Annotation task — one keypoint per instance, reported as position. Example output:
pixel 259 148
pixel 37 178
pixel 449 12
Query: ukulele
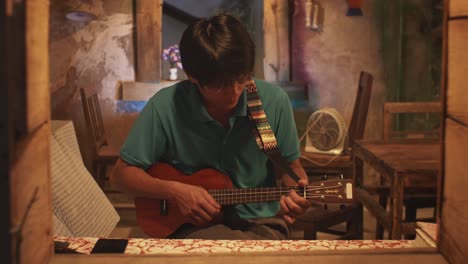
pixel 160 218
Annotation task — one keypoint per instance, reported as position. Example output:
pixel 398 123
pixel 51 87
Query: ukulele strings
pixel 273 190
pixel 172 204
pixel 235 196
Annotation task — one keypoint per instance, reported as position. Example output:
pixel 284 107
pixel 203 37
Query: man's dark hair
pixel 217 51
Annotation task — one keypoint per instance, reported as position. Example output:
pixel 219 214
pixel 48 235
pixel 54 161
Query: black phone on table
pixel 110 245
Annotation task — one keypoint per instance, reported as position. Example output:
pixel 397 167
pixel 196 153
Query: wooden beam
pixel 37 61
pixel 6 138
pixel 453 232
pixel 458 8
pixel 457 97
pixel 369 202
pixel 26 32
pixel 148 40
pixel 30 224
pixel 31 211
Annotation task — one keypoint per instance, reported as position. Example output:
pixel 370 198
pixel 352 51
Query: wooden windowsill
pixel 320 257
pixel 140 91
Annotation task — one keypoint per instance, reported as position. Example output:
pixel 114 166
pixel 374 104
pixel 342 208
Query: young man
pixel 203 123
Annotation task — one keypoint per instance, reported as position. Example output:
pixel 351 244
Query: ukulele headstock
pixel 331 191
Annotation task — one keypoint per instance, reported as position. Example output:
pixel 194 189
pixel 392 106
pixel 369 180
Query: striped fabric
pixel 264 135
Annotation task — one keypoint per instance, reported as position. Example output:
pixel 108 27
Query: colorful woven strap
pixel 264 135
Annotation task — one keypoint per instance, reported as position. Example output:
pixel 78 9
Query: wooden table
pixel 396 162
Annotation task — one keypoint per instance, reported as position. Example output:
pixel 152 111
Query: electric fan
pixel 326 132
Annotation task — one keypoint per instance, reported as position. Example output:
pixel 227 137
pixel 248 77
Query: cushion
pixel 78 201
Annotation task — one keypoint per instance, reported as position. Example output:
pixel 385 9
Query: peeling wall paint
pixel 94 56
pixel 102 49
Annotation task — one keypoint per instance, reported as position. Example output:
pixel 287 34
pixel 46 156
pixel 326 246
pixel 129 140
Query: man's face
pixel 224 97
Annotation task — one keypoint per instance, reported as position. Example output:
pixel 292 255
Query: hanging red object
pixel 354 3
pixel 354 8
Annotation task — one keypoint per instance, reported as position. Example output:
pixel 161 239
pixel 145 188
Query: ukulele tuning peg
pixel 324 177
pixel 341 176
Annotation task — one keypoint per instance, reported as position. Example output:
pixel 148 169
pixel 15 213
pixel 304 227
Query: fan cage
pixel 326 129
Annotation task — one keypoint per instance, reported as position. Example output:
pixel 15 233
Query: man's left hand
pixel 293 205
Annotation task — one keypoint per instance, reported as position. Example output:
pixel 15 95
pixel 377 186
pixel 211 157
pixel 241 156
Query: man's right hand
pixel 195 203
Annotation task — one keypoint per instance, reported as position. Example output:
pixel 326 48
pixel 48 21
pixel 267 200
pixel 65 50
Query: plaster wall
pixel 331 60
pixel 94 56
pixel 97 54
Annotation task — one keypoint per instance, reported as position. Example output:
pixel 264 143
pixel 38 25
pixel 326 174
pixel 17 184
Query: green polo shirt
pixel 175 127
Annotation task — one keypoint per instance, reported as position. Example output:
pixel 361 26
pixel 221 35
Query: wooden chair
pixel 394 108
pixel 322 219
pixel 420 192
pixel 105 155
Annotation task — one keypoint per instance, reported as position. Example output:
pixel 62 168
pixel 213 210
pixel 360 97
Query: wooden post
pixel 453 231
pixel 6 139
pixel 28 178
pixel 357 219
pixel 396 205
pixel 148 40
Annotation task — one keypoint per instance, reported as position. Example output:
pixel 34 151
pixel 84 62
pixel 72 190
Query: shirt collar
pixel 198 109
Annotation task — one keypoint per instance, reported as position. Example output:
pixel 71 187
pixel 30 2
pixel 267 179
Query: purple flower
pixel 172 55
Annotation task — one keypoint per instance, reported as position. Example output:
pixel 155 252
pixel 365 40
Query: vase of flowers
pixel 172 55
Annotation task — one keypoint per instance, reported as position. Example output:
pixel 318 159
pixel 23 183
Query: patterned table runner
pixel 186 246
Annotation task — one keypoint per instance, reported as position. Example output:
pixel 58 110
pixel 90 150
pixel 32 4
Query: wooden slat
pixel 457 96
pixel 30 173
pixel 276 40
pixel 458 8
pixel 377 211
pixel 443 99
pixel 453 231
pixel 149 28
pixel 37 63
pixel 6 138
pixel 412 107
